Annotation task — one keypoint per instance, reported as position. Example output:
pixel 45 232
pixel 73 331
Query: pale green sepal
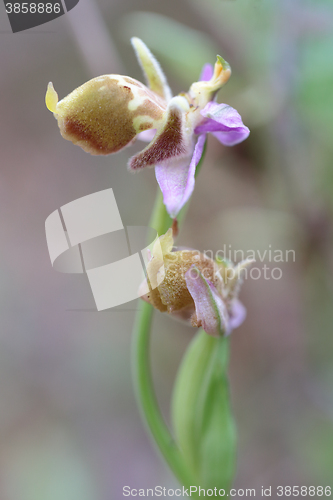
pixel 201 414
pixel 152 70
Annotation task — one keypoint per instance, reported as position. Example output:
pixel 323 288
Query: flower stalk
pixel 141 367
pixel 142 373
pixel 147 399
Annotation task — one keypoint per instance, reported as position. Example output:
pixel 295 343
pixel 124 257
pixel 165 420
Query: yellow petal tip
pixel 51 98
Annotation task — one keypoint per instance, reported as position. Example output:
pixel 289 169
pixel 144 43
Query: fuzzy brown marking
pixel 168 144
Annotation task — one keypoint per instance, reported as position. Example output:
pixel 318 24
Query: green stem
pixel 160 221
pixel 146 398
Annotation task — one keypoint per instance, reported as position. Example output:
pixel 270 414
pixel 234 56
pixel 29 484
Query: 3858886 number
pixel 303 491
pixel 32 8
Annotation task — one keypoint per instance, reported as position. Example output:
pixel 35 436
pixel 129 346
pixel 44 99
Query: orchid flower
pixel 109 112
pixel 195 288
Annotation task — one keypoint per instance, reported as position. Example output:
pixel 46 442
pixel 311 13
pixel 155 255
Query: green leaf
pixel 201 413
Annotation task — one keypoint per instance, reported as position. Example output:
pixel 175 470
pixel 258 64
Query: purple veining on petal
pixel 237 314
pixel 206 73
pixel 210 309
pixel 176 179
pixel 224 122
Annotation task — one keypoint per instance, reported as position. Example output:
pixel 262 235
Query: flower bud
pixel 172 295
pixel 195 288
pixel 105 114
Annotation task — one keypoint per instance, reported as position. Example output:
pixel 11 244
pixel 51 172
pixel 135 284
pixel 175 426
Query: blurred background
pixel 69 426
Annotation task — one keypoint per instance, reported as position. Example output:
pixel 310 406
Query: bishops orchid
pixel 109 112
pixel 105 115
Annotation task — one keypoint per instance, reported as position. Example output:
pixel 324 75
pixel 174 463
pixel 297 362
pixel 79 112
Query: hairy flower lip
pixel 169 142
pixel 105 114
pixel 108 113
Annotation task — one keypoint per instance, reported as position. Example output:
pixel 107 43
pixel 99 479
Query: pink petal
pixel 147 135
pixel 237 314
pixel 176 179
pixel 224 122
pixel 206 73
pixel 210 309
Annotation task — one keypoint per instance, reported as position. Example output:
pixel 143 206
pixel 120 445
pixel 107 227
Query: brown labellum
pixel 105 114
